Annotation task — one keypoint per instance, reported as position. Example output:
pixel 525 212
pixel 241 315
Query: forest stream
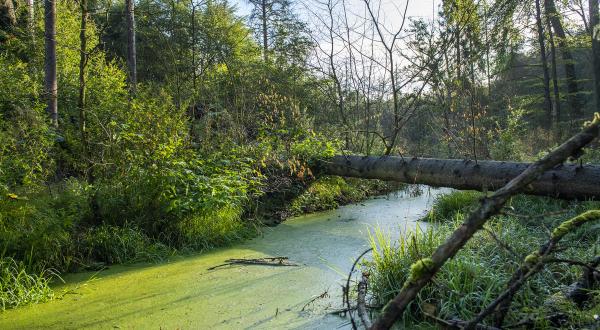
pixel 185 294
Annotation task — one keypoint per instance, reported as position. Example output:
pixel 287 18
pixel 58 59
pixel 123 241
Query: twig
pixel 315 298
pixel 500 243
pixel 361 301
pixel 347 288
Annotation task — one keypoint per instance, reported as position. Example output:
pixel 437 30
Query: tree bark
pixel 7 9
pixel 51 84
pixel 595 29
pixel 556 104
pixel 569 63
pixel 567 181
pixel 83 58
pixel 544 60
pixel 131 48
pixel 264 30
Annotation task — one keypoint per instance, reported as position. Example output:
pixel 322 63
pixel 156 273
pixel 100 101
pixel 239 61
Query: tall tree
pixel 556 92
pixel 131 48
pixel 261 12
pixel 31 16
pixel 595 29
pixel 83 58
pixel 51 84
pixel 544 60
pixel 571 77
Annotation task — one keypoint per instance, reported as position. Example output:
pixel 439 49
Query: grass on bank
pixel 480 271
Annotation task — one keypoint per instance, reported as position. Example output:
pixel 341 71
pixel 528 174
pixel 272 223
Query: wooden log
pixel 566 181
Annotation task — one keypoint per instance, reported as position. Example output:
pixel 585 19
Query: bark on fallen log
pixel 566 181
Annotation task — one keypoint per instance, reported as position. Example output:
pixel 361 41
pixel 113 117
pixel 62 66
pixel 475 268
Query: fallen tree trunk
pixel 566 181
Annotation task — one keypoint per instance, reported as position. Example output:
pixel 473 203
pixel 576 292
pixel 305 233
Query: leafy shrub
pixel 26 138
pixel 181 200
pixel 506 143
pixel 18 287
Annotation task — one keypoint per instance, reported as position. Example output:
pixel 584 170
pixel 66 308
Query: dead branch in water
pixel 271 261
pixel 361 306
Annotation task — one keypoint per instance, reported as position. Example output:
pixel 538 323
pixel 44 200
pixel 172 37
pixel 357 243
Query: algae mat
pixel 184 294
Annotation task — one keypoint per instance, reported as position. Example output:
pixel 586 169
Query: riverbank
pixel 185 294
pixel 24 281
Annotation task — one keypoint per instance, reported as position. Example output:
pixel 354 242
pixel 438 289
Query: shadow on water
pixel 184 294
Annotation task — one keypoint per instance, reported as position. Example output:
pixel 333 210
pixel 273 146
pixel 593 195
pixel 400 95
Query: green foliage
pixel 506 142
pixel 446 207
pixel 112 245
pixel 18 287
pixel 38 228
pixel 25 151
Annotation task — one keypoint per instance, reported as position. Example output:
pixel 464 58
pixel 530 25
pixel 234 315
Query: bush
pixel 38 228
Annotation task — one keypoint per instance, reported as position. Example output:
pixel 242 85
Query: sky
pixel 392 8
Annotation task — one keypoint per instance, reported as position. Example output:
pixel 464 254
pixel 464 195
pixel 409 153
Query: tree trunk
pixel 7 9
pixel 83 57
pixel 264 30
pixel 595 28
pixel 51 84
pixel 555 90
pixel 568 181
pixel 544 59
pixel 131 50
pixel 569 63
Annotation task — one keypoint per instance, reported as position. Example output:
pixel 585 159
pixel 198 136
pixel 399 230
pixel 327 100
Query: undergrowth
pixel 479 272
pixel 19 287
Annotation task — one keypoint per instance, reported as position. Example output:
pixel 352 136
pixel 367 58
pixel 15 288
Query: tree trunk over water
pixel 567 181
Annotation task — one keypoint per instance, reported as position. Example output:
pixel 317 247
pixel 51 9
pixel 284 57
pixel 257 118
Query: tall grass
pixel 480 271
pixel 18 287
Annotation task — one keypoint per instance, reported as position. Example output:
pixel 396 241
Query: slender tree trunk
pixel 51 84
pixel 568 181
pixel 194 73
pixel 264 30
pixel 544 59
pixel 556 105
pixel 569 63
pixel 83 58
pixel 595 29
pixel 131 48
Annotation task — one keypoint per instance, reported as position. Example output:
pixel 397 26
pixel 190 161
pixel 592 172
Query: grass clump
pixel 479 272
pixel 19 287
pixel 447 206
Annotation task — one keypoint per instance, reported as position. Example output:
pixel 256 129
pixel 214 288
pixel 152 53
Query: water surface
pixel 184 294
